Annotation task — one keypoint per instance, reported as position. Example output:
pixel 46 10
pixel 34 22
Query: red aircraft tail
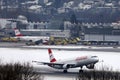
pixel 52 58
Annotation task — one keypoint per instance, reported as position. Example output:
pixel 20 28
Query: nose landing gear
pixel 81 71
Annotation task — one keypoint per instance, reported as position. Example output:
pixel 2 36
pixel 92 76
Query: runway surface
pixel 54 74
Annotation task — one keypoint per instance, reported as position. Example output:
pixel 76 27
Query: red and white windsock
pixel 17 33
pixel 52 58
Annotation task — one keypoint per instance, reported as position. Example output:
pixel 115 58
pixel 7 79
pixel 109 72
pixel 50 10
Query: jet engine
pixel 91 66
pixel 66 66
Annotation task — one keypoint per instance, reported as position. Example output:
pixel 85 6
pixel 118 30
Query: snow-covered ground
pixel 59 78
pixel 111 59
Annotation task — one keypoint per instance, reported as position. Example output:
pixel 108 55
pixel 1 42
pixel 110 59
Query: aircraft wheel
pixel 65 71
pixel 81 71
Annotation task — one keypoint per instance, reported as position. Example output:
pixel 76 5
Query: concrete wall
pixel 101 37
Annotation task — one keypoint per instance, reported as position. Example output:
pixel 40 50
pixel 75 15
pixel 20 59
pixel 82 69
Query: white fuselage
pixel 32 38
pixel 77 62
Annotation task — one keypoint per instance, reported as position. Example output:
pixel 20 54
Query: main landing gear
pixel 65 71
pixel 80 71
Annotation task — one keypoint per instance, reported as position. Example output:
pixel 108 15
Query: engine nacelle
pixel 66 66
pixel 91 66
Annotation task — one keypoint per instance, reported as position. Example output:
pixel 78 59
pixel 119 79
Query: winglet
pixel 52 58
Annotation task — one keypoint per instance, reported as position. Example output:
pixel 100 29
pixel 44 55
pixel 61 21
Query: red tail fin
pixel 52 59
pixel 17 33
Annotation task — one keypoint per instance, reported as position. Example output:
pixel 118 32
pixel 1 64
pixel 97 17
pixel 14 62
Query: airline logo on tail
pixel 17 33
pixel 52 58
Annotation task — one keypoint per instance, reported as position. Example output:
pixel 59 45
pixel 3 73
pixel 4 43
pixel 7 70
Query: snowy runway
pixel 10 55
pixel 110 59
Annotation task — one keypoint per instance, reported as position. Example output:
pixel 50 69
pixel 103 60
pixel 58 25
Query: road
pixel 63 47
pixel 12 44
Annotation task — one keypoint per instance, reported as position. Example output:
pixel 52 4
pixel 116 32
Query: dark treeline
pixel 86 16
pixel 18 71
pixel 99 75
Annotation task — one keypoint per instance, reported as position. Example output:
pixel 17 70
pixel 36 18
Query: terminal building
pixel 42 29
pixel 34 29
pixel 46 32
pixel 84 31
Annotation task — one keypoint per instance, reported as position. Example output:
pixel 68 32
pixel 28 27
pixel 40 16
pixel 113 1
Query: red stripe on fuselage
pixel 19 35
pixel 81 58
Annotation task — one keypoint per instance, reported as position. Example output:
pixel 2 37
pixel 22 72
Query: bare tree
pixel 18 71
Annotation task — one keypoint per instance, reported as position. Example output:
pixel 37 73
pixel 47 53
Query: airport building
pixel 82 30
pixel 42 29
pixel 46 32
pixel 33 29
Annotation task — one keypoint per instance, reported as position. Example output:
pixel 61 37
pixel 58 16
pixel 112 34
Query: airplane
pixel 20 36
pixel 88 61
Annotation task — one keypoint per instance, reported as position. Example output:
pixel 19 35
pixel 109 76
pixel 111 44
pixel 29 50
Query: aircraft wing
pixel 49 64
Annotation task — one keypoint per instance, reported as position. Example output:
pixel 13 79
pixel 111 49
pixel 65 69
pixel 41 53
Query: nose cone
pixel 96 59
